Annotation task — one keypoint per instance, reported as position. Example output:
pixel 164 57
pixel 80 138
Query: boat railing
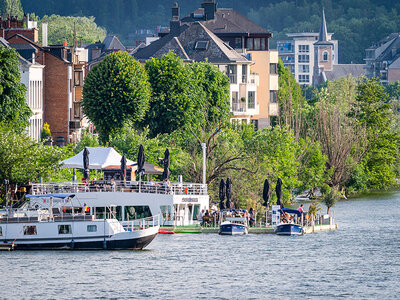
pixel 144 223
pixel 120 186
pixel 33 215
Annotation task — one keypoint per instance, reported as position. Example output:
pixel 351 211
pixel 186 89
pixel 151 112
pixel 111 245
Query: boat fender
pixel 72 244
pixel 105 244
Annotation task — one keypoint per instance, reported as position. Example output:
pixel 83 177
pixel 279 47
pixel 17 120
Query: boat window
pixel 136 212
pixel 99 212
pixel 1 231
pixel 64 229
pixel 30 230
pixel 92 228
pixel 166 211
pixel 119 213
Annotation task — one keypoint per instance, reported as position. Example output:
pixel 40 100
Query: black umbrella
pixel 222 194
pixel 278 190
pixel 228 193
pixel 266 193
pixel 140 161
pixel 86 172
pixel 166 174
pixel 123 167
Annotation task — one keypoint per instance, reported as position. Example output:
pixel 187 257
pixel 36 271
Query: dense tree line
pixel 351 21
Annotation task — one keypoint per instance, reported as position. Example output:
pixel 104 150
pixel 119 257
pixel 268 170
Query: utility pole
pixel 204 147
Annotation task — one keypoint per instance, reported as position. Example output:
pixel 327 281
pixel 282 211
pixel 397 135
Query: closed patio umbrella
pixel 86 173
pixel 278 191
pixel 123 167
pixel 228 192
pixel 222 194
pixel 266 193
pixel 140 161
pixel 166 164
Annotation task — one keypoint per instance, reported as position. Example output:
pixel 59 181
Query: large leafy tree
pixel 13 107
pixel 116 91
pixel 83 29
pixel 12 7
pixel 173 94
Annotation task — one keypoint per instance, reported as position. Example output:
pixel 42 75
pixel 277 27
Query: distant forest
pixel 355 23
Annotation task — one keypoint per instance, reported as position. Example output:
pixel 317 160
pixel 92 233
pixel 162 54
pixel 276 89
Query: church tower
pixel 323 53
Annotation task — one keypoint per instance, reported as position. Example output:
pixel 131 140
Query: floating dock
pixel 252 230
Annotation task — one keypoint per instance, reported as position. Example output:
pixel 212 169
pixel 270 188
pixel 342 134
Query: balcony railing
pixel 239 106
pixel 232 78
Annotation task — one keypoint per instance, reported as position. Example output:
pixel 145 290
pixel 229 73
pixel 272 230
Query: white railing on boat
pixel 144 223
pixel 120 186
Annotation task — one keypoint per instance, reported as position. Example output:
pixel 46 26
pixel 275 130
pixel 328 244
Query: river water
pixel 359 260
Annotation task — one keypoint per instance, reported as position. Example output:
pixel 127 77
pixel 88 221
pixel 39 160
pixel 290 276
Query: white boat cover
pixel 99 158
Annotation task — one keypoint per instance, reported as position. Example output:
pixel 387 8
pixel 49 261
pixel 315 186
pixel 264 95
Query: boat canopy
pixel 61 196
pixel 290 211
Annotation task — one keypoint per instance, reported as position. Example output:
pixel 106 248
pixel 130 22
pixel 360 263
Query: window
pixel 304 48
pixel 78 78
pixel 325 56
pixel 251 100
pixel 92 228
pixel 231 72
pixel 304 58
pixel 166 211
pixel 304 69
pixel 64 229
pixel 273 69
pixel 30 230
pixel 255 124
pixel 273 96
pixel 263 44
pixel 257 44
pixel 238 43
pixel 77 110
pixel 201 45
pixel 136 212
pixel 250 43
pixel 244 73
pixel 304 78
pixel 1 231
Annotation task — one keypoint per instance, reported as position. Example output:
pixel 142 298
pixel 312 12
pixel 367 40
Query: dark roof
pixel 111 42
pixel 343 70
pixel 227 22
pixel 392 52
pixel 4 43
pixel 183 43
pixel 323 32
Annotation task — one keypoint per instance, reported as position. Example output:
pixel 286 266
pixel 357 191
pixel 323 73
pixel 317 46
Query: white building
pixel 32 78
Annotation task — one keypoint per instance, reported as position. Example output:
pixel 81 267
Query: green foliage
pixel 46 133
pixel 13 107
pixel 116 91
pixel 60 27
pixel 23 160
pixel 87 140
pixel 12 7
pixel 173 94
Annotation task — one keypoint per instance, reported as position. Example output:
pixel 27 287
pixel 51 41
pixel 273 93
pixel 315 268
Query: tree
pixel 11 7
pixel 330 199
pixel 173 94
pixel 83 29
pixel 46 133
pixel 115 91
pixel 13 107
pixel 23 160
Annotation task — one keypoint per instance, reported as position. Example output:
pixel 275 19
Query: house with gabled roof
pixel 193 42
pixel 249 40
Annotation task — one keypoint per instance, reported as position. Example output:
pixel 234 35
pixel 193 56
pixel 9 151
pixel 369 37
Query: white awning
pixel 99 158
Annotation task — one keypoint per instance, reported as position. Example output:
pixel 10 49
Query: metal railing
pixel 120 186
pixel 239 106
pixel 144 223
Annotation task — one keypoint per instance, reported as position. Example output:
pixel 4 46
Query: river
pixel 359 260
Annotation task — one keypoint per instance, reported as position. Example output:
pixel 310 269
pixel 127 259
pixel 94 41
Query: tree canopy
pixel 13 107
pixel 12 7
pixel 116 91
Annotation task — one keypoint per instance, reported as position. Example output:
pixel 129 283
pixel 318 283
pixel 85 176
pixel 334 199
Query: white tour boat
pixel 72 229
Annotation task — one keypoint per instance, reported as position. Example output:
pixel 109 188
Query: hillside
pixel 356 23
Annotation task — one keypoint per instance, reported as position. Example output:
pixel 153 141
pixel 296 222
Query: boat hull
pixel 232 229
pixel 289 229
pixel 124 241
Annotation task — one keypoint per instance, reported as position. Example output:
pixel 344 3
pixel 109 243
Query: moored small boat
pixel 235 222
pixel 289 225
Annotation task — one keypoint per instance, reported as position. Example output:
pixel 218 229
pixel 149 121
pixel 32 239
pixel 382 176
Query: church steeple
pixel 323 32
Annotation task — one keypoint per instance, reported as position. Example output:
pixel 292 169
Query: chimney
pixel 33 57
pixel 44 34
pixel 210 7
pixel 175 23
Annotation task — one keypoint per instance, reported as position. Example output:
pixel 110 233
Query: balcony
pixel 232 78
pixel 239 107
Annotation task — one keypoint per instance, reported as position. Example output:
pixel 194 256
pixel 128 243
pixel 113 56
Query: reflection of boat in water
pixel 234 222
pixel 289 224
pixel 73 229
